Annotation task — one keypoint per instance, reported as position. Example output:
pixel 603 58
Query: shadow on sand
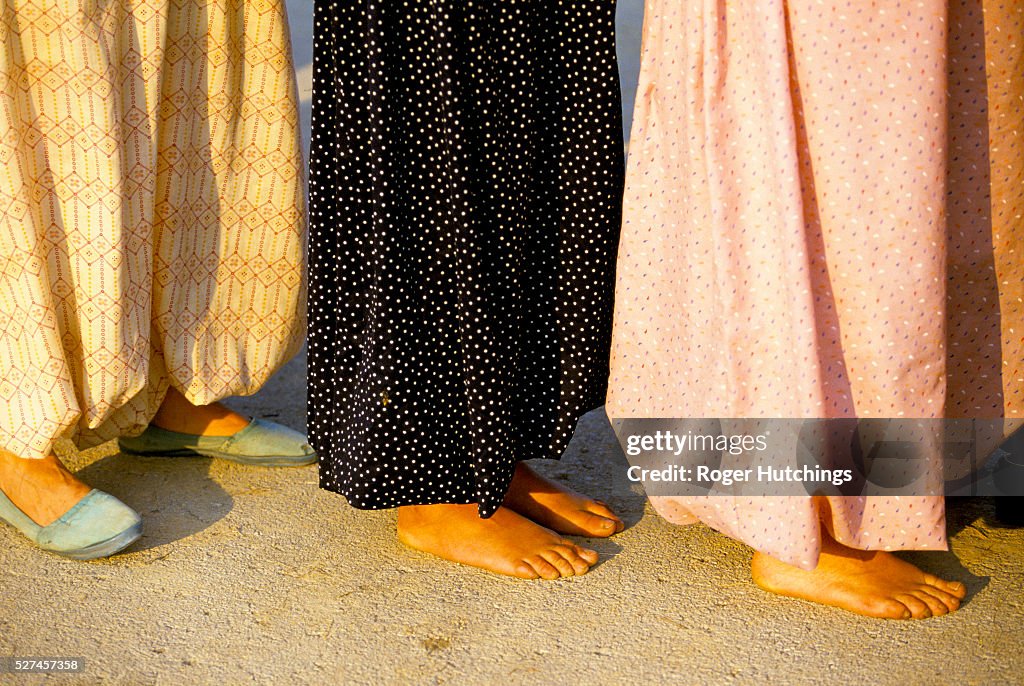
pixel 176 496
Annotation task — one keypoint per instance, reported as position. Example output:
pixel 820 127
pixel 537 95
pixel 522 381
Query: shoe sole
pixel 104 548
pixel 267 461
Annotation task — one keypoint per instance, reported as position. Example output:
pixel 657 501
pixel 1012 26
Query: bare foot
pixel 42 489
pixel 875 583
pixel 176 413
pixel 506 543
pixel 553 505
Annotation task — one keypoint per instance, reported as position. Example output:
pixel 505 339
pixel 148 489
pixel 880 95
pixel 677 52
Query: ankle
pixel 424 515
pixel 43 489
pixel 177 413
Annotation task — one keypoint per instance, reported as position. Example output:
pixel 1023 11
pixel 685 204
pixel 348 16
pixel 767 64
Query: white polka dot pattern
pixel 465 198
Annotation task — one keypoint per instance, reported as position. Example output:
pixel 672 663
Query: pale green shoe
pixel 262 443
pixel 98 525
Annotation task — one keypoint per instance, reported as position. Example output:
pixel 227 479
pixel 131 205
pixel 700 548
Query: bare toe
pixel 950 602
pixel 596 524
pixel 953 588
pixel 589 556
pixel 556 560
pixel 600 508
pixel 937 607
pixel 579 565
pixel 524 571
pixel 887 608
pixel 544 569
pixel 918 608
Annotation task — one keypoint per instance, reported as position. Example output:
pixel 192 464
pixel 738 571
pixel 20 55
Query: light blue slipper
pixel 262 443
pixel 97 526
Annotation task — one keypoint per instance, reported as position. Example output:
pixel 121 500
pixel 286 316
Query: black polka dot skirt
pixel 465 197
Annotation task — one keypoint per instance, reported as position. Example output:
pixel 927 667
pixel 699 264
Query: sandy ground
pixel 250 575
pixel 254 575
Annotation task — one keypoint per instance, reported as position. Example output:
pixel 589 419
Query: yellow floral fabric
pixel 151 210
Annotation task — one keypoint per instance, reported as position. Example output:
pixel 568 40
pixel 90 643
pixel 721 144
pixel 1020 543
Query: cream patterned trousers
pixel 152 218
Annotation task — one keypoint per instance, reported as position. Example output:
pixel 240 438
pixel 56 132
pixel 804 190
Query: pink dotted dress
pixel 823 218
